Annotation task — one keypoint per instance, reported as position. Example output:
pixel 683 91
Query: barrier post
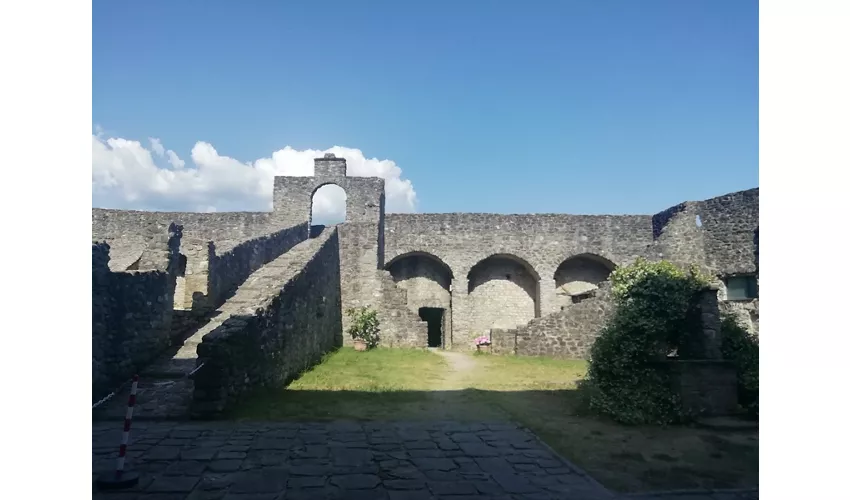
pixel 120 478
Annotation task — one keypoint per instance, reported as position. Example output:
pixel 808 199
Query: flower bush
pixel 364 325
pixel 482 340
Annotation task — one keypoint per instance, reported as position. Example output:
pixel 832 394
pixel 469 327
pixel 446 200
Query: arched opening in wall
pixel 427 282
pixel 580 275
pixel 327 208
pixel 504 292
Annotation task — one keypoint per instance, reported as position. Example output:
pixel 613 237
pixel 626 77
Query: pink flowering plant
pixel 482 340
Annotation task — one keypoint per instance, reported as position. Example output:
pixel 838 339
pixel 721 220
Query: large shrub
pixel 653 317
pixel 364 325
pixel 742 349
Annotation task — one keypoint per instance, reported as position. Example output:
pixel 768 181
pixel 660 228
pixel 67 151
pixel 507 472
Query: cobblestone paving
pixel 344 460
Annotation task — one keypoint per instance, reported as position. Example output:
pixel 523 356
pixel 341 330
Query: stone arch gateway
pixel 322 207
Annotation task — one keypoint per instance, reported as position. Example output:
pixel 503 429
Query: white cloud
pixel 157 146
pixel 127 175
pixel 175 160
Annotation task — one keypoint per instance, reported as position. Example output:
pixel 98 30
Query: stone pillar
pixel 461 336
pixel 547 298
pixel 705 382
pixel 329 166
pixel 709 310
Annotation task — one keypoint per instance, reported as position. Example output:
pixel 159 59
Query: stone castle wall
pixel 273 341
pixel 125 229
pixel 517 257
pixel 131 310
pixel 485 270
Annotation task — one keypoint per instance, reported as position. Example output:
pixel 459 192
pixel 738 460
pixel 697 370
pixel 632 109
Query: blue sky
pixel 512 107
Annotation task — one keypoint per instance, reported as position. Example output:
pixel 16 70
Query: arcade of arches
pixel 501 291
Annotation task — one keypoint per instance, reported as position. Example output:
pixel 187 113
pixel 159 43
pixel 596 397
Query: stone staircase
pixel 568 333
pixel 165 387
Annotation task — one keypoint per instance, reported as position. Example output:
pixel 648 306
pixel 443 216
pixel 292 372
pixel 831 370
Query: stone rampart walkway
pixel 283 461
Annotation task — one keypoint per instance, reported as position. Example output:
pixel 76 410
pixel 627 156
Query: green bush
pixel 364 325
pixel 653 317
pixel 742 349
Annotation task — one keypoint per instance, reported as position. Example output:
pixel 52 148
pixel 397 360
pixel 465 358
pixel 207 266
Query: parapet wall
pixel 273 341
pixel 231 268
pixel 126 230
pixel 131 311
pixel 544 241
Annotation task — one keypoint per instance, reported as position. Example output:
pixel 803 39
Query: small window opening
pixel 699 221
pixel 741 288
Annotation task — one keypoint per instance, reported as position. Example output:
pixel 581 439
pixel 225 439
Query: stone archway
pixel 579 275
pixel 427 282
pixel 504 292
pixel 328 207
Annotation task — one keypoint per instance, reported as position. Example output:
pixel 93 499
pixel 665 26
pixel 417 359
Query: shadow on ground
pixel 623 458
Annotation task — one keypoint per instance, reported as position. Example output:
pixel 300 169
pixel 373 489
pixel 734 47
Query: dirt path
pixel 455 397
pixel 461 367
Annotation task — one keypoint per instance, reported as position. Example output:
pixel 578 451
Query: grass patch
pixel 375 370
pixel 539 393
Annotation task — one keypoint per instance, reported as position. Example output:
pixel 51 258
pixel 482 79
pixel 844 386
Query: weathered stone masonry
pixel 131 310
pixel 285 333
pixel 535 275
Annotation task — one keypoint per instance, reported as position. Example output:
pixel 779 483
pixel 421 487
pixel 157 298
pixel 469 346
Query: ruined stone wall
pixel 131 311
pixel 718 234
pixel 568 334
pixel 400 327
pixel 221 226
pixel 730 223
pixel 126 229
pixel 679 236
pixel 721 236
pixel 277 338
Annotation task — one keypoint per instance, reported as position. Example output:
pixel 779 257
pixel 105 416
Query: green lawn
pixel 539 393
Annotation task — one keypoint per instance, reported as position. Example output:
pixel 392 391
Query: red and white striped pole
pixel 120 478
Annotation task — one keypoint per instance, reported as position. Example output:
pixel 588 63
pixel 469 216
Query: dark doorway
pixel 434 317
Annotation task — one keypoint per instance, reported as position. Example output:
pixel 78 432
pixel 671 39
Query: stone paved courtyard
pixel 342 460
pixel 424 460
